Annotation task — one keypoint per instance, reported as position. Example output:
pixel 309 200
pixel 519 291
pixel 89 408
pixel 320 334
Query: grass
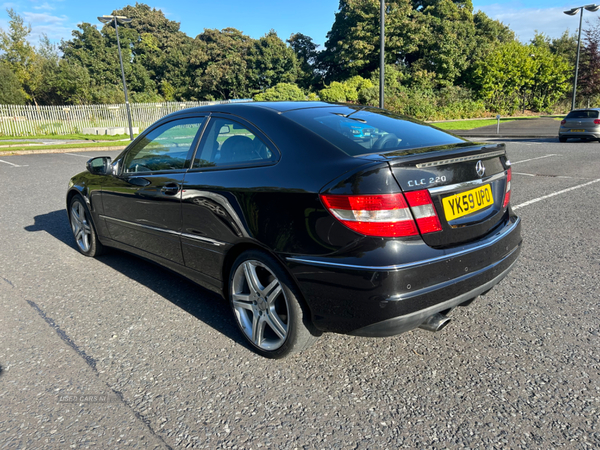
pixel 469 124
pixel 74 137
pixel 16 148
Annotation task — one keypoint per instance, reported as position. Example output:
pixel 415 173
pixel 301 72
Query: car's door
pixel 142 203
pixel 231 157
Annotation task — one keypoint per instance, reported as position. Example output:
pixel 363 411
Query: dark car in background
pixel 580 124
pixel 308 217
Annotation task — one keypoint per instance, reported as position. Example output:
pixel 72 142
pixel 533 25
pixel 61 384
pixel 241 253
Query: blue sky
pixel 57 18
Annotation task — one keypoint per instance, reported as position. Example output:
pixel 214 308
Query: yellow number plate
pixel 577 131
pixel 467 202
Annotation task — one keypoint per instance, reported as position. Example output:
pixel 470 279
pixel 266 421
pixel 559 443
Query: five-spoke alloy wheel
pixel 83 228
pixel 266 306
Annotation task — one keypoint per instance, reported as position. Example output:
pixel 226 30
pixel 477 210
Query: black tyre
pixel 562 139
pixel 267 306
pixel 83 228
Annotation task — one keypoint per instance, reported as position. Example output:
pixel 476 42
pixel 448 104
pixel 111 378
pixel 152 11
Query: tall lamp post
pixel 117 20
pixel 573 12
pixel 381 52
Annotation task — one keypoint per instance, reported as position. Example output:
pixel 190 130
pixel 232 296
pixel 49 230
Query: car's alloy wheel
pixel 83 228
pixel 266 306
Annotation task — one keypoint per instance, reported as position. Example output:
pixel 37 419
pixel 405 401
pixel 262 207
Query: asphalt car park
pixel 118 353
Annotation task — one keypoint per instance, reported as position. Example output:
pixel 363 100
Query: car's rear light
pixel 507 193
pixel 597 121
pixel 562 122
pixel 385 215
pixel 422 208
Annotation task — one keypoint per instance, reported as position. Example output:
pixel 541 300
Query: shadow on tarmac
pixel 203 304
pixel 55 223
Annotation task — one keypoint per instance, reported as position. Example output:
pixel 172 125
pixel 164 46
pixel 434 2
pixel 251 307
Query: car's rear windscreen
pixel 364 130
pixel 588 114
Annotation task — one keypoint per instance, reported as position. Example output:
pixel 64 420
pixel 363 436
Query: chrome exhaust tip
pixel 435 323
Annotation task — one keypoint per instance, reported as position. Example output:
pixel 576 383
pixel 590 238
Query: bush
pixel 281 92
pixel 348 91
pixel 335 92
pixel 427 104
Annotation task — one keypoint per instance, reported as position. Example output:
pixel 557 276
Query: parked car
pixel 304 227
pixel 580 124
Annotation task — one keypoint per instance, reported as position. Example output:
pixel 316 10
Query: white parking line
pixel 538 175
pixel 532 159
pixel 539 199
pixel 75 154
pixel 11 164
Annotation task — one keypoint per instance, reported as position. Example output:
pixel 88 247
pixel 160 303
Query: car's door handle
pixel 170 189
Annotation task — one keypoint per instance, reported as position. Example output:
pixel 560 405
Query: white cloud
pixel 526 21
pixel 45 6
pixel 43 18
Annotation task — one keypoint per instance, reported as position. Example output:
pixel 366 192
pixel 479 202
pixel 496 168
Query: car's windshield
pixel 363 130
pixel 587 114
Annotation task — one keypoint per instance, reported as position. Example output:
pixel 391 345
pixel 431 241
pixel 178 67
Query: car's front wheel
pixel 267 306
pixel 83 228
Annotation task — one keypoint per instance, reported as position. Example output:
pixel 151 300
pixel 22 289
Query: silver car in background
pixel 580 124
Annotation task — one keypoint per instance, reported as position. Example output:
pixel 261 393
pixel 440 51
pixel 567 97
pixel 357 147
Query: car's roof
pixel 585 109
pixel 274 106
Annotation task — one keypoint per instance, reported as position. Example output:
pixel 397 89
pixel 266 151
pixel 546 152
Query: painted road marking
pixel 538 175
pixel 75 154
pixel 11 164
pixel 539 199
pixel 532 159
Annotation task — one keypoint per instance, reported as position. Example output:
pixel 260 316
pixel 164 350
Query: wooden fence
pixel 29 120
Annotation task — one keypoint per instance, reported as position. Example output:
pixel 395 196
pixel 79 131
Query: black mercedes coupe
pixel 308 217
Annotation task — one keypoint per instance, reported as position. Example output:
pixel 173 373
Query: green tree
pixel 91 49
pixel 161 48
pixel 306 54
pixel 19 55
pixel 435 42
pixel 218 64
pixel 11 92
pixel 271 61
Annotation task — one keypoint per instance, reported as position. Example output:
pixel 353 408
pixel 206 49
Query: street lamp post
pixel 117 20
pixel 381 53
pixel 573 12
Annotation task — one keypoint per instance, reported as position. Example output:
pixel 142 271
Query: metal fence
pixel 30 120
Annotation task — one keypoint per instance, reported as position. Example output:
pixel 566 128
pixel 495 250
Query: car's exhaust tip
pixel 435 323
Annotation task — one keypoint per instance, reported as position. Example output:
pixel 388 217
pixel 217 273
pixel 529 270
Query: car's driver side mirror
pixel 99 166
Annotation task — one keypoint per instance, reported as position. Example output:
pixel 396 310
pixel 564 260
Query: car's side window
pixel 164 148
pixel 229 143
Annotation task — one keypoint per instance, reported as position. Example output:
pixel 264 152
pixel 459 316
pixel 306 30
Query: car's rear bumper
pixel 587 134
pixel 388 300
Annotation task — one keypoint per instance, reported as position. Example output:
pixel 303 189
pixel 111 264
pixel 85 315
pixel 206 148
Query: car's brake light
pixel 562 122
pixel 385 215
pixel 597 121
pixel 422 208
pixel 507 193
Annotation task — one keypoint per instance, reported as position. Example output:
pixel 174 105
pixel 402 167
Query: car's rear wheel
pixel 562 139
pixel 83 228
pixel 267 306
